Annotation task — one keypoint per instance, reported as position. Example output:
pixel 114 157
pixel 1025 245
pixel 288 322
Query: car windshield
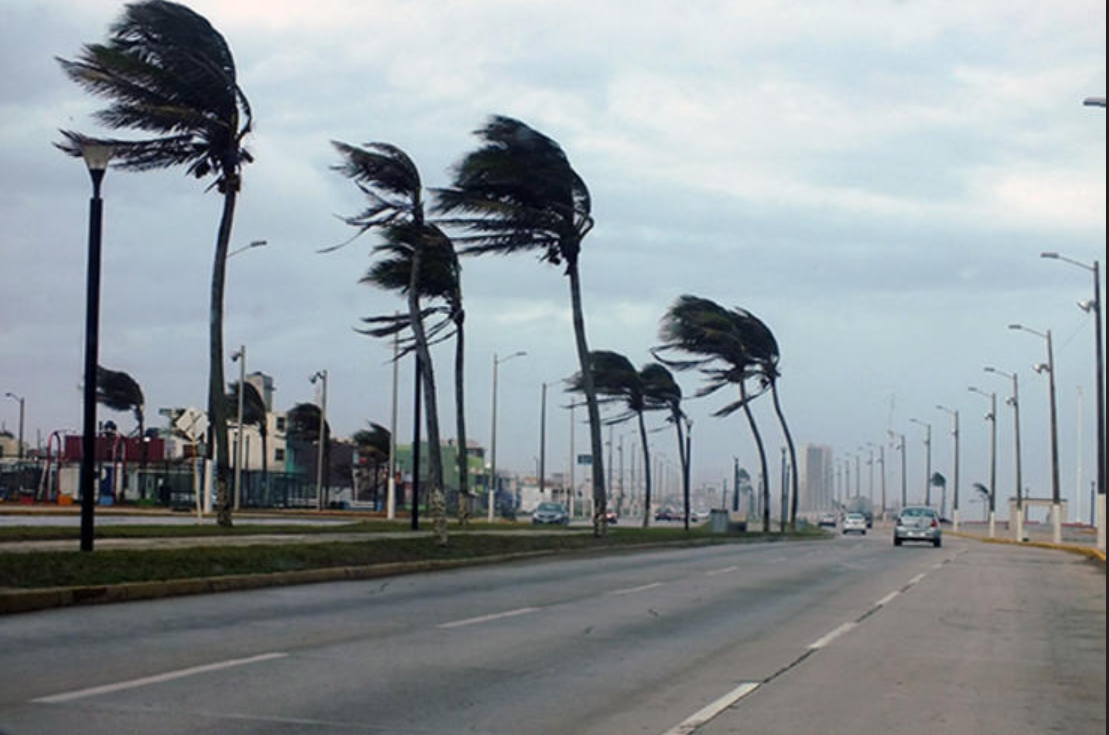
pixel 855 517
pixel 917 512
pixel 550 508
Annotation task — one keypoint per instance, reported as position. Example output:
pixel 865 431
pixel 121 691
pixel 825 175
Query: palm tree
pixel 716 337
pixel 391 181
pixel 374 443
pixel 763 349
pixel 618 382
pixel 663 391
pixel 302 424
pixel 120 392
pixel 167 72
pixel 516 193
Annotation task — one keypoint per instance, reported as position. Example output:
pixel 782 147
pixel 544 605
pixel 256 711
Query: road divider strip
pixel 487 618
pixel 156 679
pixel 707 713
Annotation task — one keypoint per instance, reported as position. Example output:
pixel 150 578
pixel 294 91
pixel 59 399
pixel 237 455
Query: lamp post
pixel 96 157
pixel 20 400
pixel 321 376
pixel 1049 367
pixel 493 433
pixel 927 461
pixel 904 478
pixel 239 357
pixel 954 413
pixel 1014 401
pixel 1099 371
pixel 543 440
pixel 992 418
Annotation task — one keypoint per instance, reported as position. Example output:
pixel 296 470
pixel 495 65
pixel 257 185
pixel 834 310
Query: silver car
pixel 918 523
pixel 854 523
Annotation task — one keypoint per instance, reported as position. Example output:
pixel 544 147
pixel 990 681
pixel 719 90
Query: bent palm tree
pixel 517 193
pixel 302 424
pixel 705 329
pixel 374 443
pixel 763 348
pixel 166 71
pixel 663 391
pixel 254 414
pixel 616 380
pixel 120 392
pixel 391 181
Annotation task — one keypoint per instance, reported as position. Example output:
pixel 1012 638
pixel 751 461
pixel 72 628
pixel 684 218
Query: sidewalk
pixel 1077 539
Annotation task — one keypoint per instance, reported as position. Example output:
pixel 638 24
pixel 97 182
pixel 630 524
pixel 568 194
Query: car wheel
pixel 896 541
pixel 937 543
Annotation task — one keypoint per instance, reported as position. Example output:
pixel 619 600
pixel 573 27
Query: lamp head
pixel 1087 306
pixel 1052 255
pixel 96 155
pixel 1041 367
pixel 1015 326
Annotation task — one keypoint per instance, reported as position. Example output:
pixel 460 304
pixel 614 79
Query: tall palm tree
pixel 516 193
pixel 391 182
pixel 167 72
pixel 663 391
pixel 763 348
pixel 717 339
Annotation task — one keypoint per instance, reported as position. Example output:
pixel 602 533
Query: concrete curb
pixel 1070 548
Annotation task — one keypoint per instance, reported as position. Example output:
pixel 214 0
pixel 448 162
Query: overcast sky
pixel 875 180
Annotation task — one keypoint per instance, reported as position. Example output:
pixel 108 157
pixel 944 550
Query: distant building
pixel 817 478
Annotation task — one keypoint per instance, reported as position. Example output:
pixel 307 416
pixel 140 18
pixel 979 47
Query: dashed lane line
pixel 705 714
pixel 488 618
pixel 157 679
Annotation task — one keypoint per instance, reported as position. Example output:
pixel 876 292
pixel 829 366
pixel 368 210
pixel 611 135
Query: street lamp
pixel 1099 377
pixel 928 460
pixel 904 481
pixel 239 357
pixel 493 433
pixel 96 157
pixel 992 418
pixel 955 478
pixel 1094 102
pixel 1014 401
pixel 1049 367
pixel 14 397
pixel 321 376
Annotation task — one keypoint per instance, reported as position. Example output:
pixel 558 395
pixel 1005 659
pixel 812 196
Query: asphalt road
pixel 843 636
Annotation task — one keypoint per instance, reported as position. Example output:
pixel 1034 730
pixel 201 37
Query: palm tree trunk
pixel 762 457
pixel 459 408
pixel 596 443
pixel 683 460
pixel 646 472
pixel 217 403
pixel 427 379
pixel 792 456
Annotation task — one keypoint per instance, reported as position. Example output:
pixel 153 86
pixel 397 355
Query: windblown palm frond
pixel 120 392
pixel 166 71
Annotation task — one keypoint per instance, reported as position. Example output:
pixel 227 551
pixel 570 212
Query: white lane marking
pixel 487 618
pixel 938 566
pixel 707 713
pixel 725 570
pixel 887 598
pixel 917 578
pixel 157 679
pixel 640 588
pixel 825 640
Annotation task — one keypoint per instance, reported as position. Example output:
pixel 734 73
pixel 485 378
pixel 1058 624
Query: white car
pixel 854 523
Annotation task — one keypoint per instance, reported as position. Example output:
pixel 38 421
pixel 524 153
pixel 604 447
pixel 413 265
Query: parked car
pixel 547 514
pixel 667 514
pixel 918 523
pixel 610 517
pixel 827 519
pixel 854 523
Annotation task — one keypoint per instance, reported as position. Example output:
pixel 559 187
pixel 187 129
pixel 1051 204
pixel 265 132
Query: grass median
pixel 32 570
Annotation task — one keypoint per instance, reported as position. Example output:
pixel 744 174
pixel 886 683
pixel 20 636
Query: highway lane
pixel 623 643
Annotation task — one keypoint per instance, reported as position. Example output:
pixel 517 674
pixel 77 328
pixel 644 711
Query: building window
pixel 280 423
pixel 279 455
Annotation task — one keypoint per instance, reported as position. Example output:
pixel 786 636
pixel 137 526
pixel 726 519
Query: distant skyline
pixel 875 181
